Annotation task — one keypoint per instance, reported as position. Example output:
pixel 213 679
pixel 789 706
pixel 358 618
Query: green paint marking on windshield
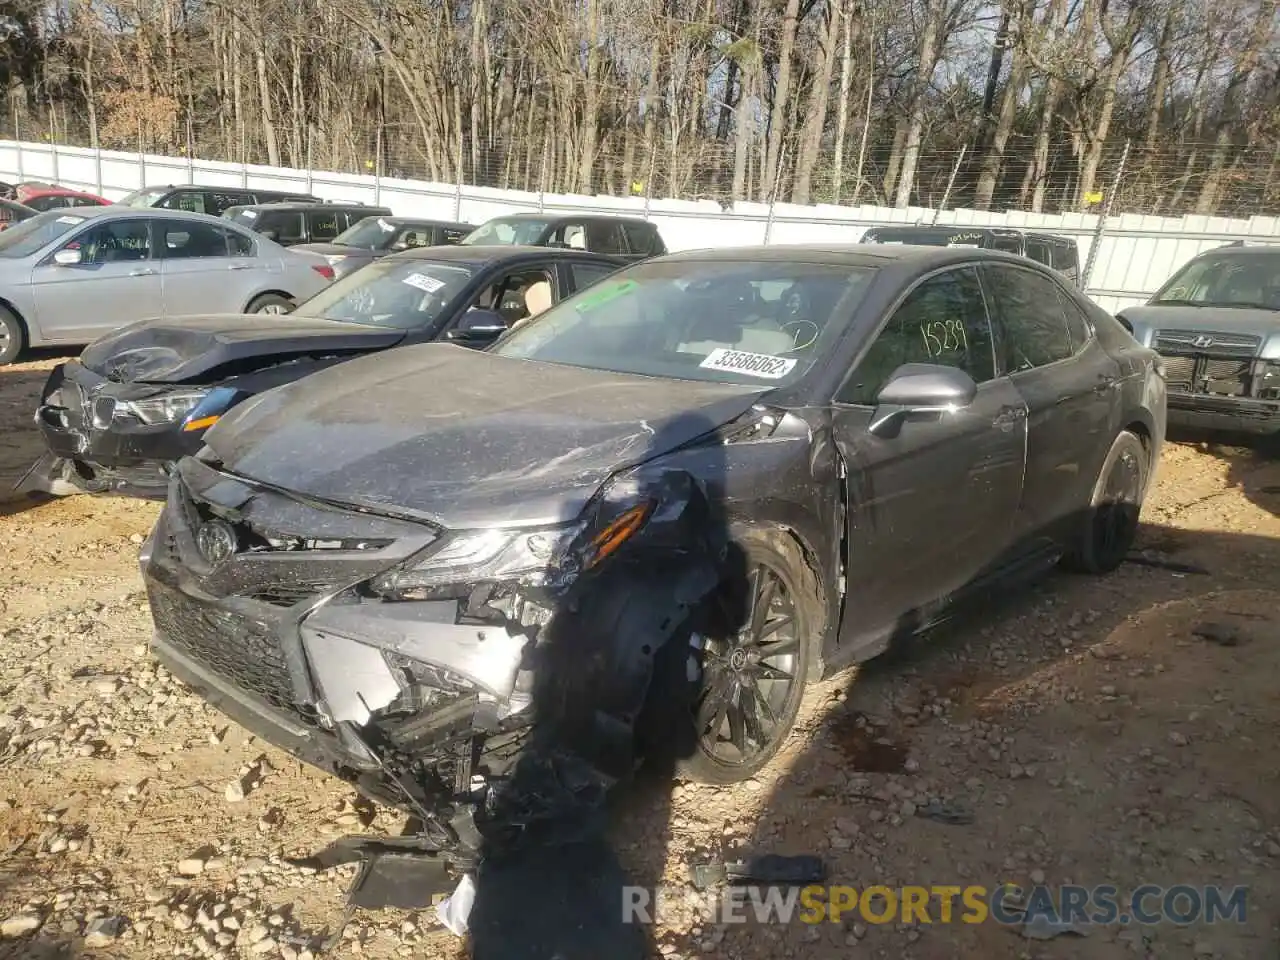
pixel 611 292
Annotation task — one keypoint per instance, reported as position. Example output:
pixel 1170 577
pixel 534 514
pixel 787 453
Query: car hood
pixel 178 349
pixel 1265 324
pixel 465 438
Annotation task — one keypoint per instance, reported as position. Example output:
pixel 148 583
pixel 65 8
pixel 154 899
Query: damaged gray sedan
pixel 483 586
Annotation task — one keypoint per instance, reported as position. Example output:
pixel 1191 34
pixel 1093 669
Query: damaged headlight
pixel 537 556
pixel 199 407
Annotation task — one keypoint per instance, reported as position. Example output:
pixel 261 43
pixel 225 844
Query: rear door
pixel 323 225
pixel 1068 382
pixel 199 272
pixel 931 507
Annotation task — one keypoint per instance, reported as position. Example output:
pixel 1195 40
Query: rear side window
pixel 585 274
pixel 324 224
pixel 642 238
pixel 1066 260
pixel 1078 327
pixel 191 201
pixel 216 201
pixel 1038 251
pixel 1031 316
pixel 604 237
pixel 287 227
pixel 239 245
pixel 180 240
pixel 445 235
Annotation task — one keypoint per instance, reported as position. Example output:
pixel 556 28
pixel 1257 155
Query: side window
pixel 585 274
pixel 120 241
pixel 1066 260
pixel 1031 316
pixel 286 227
pixel 410 237
pixel 943 321
pixel 604 237
pixel 571 235
pixel 1078 327
pixel 216 202
pixel 192 201
pixel 641 238
pixel 182 241
pixel 239 245
pixel 1038 251
pixel 518 296
pixel 1007 244
pixel 448 235
pixel 324 224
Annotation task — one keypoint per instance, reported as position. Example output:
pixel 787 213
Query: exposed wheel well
pixel 1140 430
pixel 267 293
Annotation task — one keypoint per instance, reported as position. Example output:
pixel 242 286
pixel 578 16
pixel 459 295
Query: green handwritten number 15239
pixel 944 336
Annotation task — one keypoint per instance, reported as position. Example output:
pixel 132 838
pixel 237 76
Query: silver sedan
pixel 71 276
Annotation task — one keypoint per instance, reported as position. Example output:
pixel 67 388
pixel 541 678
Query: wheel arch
pixel 273 292
pixel 9 305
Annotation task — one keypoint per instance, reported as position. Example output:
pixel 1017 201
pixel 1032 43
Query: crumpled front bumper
pixel 89 450
pixel 1240 415
pixel 420 704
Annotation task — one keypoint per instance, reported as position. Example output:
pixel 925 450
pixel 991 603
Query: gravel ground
pixel 1083 727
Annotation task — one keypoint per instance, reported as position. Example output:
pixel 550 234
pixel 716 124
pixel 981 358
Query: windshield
pixel 520 231
pixel 401 294
pixel 146 197
pixel 379 233
pixel 1226 281
pixel 762 322
pixel 35 232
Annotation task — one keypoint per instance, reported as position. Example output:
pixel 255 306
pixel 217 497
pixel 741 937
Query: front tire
pixel 1110 524
pixel 13 337
pixel 735 680
pixel 271 303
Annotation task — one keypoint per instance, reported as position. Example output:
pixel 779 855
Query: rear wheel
pixel 271 303
pixel 1110 524
pixel 738 675
pixel 12 337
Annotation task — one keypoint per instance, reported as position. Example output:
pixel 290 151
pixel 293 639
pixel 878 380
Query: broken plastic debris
pixel 1042 927
pixel 454 910
pixel 769 868
pixel 945 813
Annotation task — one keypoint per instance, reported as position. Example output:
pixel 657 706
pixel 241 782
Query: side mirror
pixel 920 388
pixel 478 326
pixel 68 258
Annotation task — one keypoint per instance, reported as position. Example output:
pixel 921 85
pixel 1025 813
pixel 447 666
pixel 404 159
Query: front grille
pixel 287 594
pixel 1206 343
pixel 240 650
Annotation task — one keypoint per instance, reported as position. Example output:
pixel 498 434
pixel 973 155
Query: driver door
pixel 505 293
pixel 932 505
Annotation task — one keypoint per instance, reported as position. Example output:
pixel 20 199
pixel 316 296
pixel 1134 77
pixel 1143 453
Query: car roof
pixel 303 205
pixel 480 256
pixel 559 217
pixel 934 229
pixel 426 220
pixel 850 254
pixel 117 210
pixel 1241 250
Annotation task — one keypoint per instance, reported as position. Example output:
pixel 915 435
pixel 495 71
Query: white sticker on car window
pixel 423 282
pixel 752 364
pixel 248 214
pixel 71 220
pixel 386 227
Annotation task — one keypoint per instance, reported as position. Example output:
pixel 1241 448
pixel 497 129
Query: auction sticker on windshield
pixel 423 282
pixel 71 220
pixel 751 364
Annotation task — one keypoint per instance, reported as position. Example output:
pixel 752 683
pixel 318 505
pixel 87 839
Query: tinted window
pixel 286 226
pixel 943 321
pixel 641 238
pixel 604 237
pixel 1065 258
pixel 85 202
pixel 119 241
pixel 1032 318
pixel 585 274
pixel 1038 251
pixel 1078 326
pixel 571 235
pixel 449 235
pixel 216 201
pixel 1007 244
pixel 324 224
pixel 181 241
pixel 191 201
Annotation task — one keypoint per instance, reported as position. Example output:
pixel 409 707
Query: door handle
pixel 142 272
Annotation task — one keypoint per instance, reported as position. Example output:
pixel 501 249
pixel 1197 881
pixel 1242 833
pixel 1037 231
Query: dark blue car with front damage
pixel 483 586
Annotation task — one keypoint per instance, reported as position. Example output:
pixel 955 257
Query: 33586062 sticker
pixel 762 365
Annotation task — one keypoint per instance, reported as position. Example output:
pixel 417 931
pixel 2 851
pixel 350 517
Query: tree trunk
pixel 927 59
pixel 781 92
pixel 815 109
pixel 993 158
pixel 842 103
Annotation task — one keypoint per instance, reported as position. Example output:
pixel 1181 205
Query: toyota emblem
pixel 1202 341
pixel 216 540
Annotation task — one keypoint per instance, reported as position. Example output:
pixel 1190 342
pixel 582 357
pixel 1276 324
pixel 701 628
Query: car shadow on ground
pixel 879 777
pixel 19 396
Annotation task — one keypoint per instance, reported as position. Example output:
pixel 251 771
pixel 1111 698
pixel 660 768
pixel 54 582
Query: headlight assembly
pixel 166 408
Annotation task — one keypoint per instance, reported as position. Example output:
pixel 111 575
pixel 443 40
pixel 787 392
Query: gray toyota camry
pixel 703 482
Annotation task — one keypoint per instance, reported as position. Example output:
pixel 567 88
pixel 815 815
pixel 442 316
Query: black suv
pixel 628 237
pixel 289 224
pixel 1059 253
pixel 210 200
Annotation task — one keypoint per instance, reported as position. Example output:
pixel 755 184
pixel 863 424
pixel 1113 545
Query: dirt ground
pixel 1082 729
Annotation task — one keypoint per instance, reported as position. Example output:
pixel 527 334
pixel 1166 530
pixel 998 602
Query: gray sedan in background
pixel 69 277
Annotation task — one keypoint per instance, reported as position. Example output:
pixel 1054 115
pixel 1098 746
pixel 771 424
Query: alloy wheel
pixel 273 308
pixel 747 678
pixel 1116 519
